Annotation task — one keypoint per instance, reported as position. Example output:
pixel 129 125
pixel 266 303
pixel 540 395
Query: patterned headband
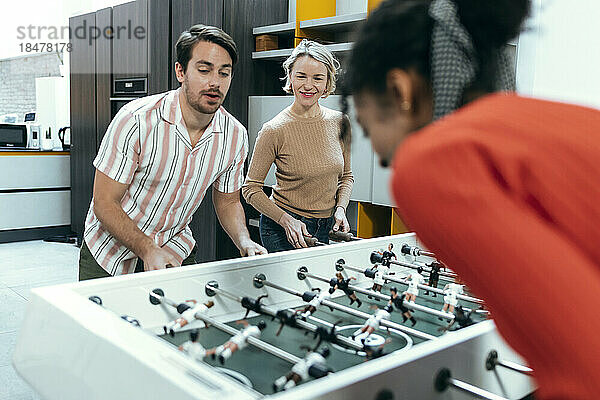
pixel 454 60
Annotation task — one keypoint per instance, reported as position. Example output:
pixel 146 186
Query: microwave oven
pixel 20 136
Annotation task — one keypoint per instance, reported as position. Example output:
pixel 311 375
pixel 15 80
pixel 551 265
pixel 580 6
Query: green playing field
pixel 262 368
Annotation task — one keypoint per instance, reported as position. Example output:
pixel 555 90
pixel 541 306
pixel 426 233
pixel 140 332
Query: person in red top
pixel 504 189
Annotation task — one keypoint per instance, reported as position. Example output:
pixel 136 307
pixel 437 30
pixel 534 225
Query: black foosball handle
pixel 492 361
pixel 444 380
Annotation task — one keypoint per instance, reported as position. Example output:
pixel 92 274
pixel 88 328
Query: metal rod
pixel 284 289
pixel 426 287
pixel 515 367
pixel 272 313
pixel 360 314
pixel 224 292
pixel 436 290
pixel 276 351
pixel 474 390
pixel 444 379
pixel 425 268
pixel 440 291
pixel 492 361
pixel 447 275
pixel 427 253
pixel 372 293
pixel 163 299
pixel 383 322
pixel 415 251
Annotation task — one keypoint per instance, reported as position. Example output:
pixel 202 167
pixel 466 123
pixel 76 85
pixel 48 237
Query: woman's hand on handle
pixel 341 222
pixel 295 230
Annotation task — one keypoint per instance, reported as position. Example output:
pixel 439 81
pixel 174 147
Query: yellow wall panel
pixel 372 4
pixel 397 226
pixel 311 9
pixel 373 221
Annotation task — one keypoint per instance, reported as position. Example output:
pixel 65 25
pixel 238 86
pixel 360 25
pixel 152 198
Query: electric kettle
pixel 65 137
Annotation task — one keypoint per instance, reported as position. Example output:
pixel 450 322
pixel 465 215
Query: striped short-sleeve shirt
pixel 148 148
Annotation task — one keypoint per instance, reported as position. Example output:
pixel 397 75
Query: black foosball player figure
pixel 239 340
pixel 373 322
pixel 461 318
pixel 286 317
pixel 434 276
pixel 312 365
pixel 389 254
pixel 340 283
pixel 398 301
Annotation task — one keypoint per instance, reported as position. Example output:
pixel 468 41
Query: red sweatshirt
pixel 506 191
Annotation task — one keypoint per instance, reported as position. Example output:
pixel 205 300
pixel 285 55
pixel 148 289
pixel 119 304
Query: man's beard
pixel 194 100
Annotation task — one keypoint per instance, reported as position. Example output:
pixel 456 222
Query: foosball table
pixel 334 322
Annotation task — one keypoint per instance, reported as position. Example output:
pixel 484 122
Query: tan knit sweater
pixel 313 166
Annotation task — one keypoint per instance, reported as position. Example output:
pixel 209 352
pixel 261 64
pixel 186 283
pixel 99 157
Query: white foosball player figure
pixel 414 280
pixel 188 311
pixel 451 292
pixel 313 304
pixel 312 365
pixel 195 349
pixel 239 341
pixel 378 279
pixel 373 322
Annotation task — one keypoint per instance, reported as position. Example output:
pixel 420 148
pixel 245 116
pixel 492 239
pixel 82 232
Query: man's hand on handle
pixel 158 258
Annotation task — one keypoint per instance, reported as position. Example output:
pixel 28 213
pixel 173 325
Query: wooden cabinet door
pixel 83 120
pixel 159 46
pixel 130 40
pixel 184 14
pixel 103 75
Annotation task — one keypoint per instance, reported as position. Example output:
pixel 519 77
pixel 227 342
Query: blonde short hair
pixel 319 53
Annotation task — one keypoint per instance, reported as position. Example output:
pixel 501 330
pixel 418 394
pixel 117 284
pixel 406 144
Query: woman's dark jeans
pixel 273 235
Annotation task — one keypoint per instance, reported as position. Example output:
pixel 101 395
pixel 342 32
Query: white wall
pixel 559 57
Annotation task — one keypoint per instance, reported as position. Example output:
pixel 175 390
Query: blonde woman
pixel 314 179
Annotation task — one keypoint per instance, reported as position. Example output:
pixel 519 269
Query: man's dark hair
pixel 203 33
pixel 398 35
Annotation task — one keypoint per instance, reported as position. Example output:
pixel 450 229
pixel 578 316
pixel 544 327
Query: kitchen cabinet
pixel 39 201
pixel 130 43
pixel 83 121
pixel 103 50
pixel 184 14
pixel 159 46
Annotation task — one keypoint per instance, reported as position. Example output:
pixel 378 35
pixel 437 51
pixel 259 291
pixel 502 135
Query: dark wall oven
pixel 126 90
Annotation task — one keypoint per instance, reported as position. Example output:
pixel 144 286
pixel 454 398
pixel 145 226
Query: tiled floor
pixel 23 266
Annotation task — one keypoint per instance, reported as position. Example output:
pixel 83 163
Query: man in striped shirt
pixel 158 158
